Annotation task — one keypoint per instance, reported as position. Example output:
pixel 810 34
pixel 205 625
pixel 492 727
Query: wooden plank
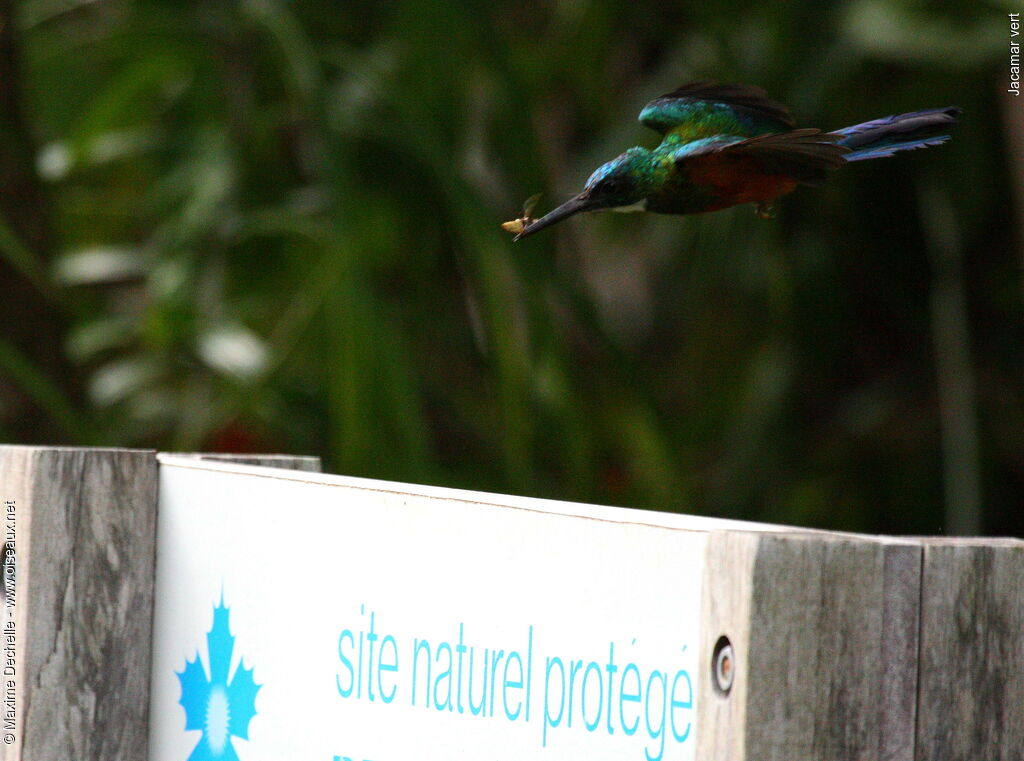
pixel 725 611
pixel 825 637
pixel 85 542
pixel 899 642
pixel 971 699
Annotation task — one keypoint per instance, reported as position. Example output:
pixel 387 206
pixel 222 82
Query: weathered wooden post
pixel 823 630
pixel 82 522
pixel 971 668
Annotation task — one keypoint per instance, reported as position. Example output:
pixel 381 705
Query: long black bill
pixel 567 209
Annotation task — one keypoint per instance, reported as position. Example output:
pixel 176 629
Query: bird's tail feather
pixel 903 132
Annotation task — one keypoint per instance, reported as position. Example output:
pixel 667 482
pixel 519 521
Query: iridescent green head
pixel 621 183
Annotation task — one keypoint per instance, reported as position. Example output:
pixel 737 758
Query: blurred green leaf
pixel 44 392
pixel 22 259
pixel 900 32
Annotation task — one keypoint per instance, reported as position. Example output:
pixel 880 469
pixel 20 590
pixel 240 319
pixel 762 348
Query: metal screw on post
pixel 723 666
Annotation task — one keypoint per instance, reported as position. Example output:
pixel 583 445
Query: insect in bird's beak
pixel 579 203
pixel 517 226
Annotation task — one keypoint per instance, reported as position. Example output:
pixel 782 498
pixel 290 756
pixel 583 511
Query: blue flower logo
pixel 221 709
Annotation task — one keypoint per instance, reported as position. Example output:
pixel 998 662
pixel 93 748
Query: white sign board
pixel 322 618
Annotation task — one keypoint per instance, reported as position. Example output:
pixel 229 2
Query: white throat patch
pixel 638 206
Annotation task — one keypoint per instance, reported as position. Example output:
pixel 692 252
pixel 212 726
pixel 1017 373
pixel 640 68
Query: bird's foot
pixel 765 210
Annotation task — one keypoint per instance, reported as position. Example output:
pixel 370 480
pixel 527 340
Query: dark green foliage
pixel 271 225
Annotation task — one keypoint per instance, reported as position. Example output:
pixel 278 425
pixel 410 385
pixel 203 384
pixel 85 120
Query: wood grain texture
pixel 826 661
pixel 86 569
pixel 725 611
pixel 971 698
pixel 822 637
pixel 899 641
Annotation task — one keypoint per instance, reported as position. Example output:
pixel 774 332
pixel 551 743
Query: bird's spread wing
pixel 731 167
pixel 704 109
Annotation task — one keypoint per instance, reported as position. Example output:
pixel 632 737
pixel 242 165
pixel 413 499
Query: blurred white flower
pixel 234 350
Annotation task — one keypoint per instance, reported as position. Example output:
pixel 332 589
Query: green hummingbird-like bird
pixel 724 145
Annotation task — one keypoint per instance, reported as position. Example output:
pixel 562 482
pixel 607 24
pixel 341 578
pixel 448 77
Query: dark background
pixel 273 226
